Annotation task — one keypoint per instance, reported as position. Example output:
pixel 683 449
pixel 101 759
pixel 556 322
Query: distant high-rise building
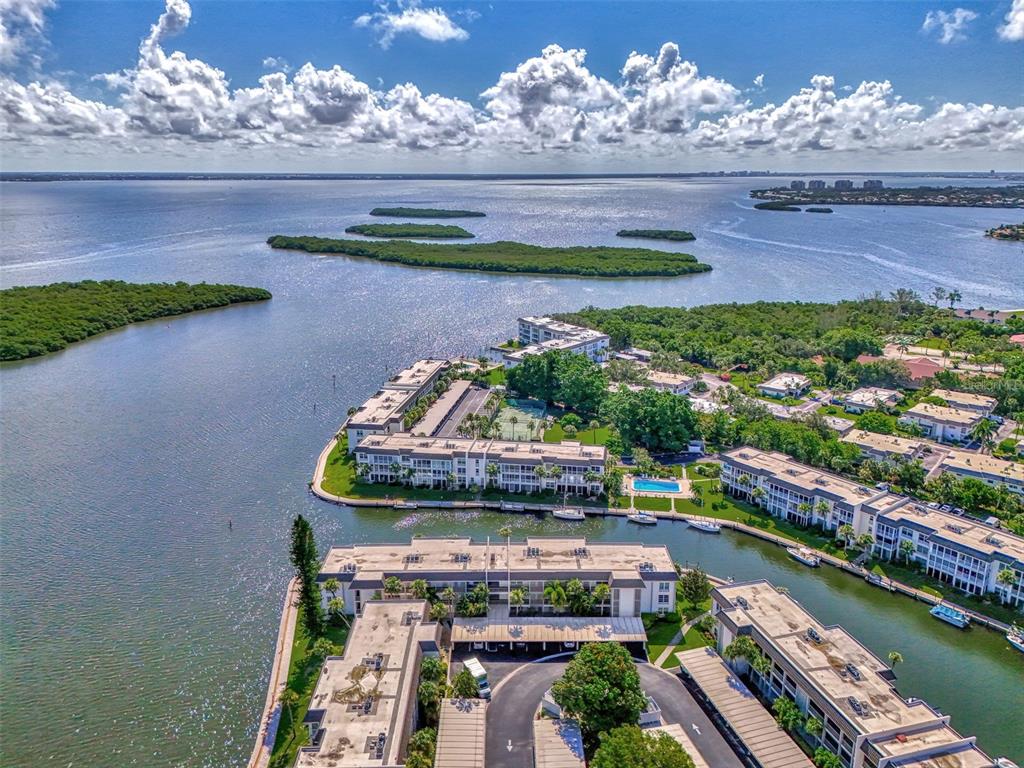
pixel 815 184
pixel 844 184
pixel 873 184
pixel 797 185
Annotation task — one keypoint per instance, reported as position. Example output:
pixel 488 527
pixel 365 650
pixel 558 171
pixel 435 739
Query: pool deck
pixel 684 492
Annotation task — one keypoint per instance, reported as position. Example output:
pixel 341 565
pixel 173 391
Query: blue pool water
pixel 659 486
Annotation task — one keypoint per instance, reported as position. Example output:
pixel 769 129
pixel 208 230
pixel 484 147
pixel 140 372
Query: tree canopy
pixel 600 688
pixel 630 747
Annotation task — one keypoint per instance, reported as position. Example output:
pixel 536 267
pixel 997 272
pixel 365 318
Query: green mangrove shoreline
pixel 506 257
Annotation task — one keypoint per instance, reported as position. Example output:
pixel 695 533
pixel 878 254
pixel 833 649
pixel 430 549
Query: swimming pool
pixel 657 486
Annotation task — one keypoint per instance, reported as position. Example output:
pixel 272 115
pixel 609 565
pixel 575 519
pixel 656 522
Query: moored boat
pixel 405 505
pixel 642 518
pixel 878 581
pixel 951 615
pixel 1015 637
pixel 704 524
pixel 804 555
pixel 568 513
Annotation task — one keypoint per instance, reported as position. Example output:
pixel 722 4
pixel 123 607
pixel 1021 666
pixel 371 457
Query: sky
pixel 240 85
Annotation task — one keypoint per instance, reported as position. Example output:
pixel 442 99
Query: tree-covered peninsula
pixel 39 319
pixel 409 230
pixel 1006 232
pixel 504 256
pixel 678 235
pixel 426 213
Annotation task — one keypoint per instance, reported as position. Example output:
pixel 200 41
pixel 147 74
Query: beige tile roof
pixel 955 398
pixel 461 732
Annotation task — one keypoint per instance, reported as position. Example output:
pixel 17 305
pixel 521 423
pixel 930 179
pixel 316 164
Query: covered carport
pixel 547 634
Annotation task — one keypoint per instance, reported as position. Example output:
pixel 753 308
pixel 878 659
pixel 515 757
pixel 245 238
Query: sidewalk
pixel 671 647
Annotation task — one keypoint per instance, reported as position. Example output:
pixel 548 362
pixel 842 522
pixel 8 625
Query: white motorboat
pixel 1015 637
pixel 569 513
pixel 704 524
pixel 805 556
pixel 642 518
pixel 405 505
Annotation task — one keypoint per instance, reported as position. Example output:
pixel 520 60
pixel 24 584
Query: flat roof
pixel 359 702
pixel 499 450
pixel 538 629
pixel 526 559
pixel 873 441
pixel 871 397
pixel 417 374
pixel 676 731
pixel 557 744
pixel 767 742
pixel 966 532
pixel 668 379
pixel 945 748
pixel 785 381
pixel 954 397
pixel 550 324
pixel 940 413
pixel 438 412
pixel 983 464
pixel 384 406
pixel 825 666
pixel 585 336
pixel 814 481
pixel 461 733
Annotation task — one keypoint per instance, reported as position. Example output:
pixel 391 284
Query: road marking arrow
pixel 509 747
pixel 694 726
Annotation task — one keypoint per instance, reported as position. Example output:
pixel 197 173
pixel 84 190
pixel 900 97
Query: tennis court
pixel 529 418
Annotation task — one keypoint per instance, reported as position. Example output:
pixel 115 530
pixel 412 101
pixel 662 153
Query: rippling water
pixel 137 628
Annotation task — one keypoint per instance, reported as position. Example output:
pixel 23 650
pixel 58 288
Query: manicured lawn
pixel 661 633
pixel 694 638
pixel 652 503
pixel 556 434
pixel 692 611
pixel 302 675
pixel 833 410
pixel 496 376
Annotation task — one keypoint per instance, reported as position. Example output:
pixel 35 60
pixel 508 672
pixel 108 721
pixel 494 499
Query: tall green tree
pixel 306 562
pixel 695 586
pixel 629 747
pixel 600 688
pixel 465 686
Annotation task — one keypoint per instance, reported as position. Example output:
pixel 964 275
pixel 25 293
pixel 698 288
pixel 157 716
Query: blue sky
pixel 960 57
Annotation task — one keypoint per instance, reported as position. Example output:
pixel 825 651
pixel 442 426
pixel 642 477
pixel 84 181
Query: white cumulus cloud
pixel 659 105
pixel 951 26
pixel 429 23
pixel 20 22
pixel 1013 26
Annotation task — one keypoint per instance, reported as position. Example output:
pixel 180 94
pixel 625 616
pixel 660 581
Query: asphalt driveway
pixel 514 702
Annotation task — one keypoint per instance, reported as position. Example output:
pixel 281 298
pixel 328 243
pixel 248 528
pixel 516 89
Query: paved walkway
pixel 271 716
pixel 671 647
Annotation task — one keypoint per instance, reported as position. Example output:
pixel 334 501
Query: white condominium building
pixel 785 385
pixel 363 708
pixel 456 462
pixel 836 680
pixel 642 578
pixel 869 399
pixel 987 469
pixel 544 334
pixel 879 447
pixel 959 550
pixel 948 425
pixel 675 383
pixel 967 401
pixel 385 411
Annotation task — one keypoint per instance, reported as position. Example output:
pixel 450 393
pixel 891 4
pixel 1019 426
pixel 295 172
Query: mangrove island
pixel 505 256
pixel 949 197
pixel 426 213
pixel 39 319
pixel 409 229
pixel 657 234
pixel 1006 232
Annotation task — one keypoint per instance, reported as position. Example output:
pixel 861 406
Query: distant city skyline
pixel 511 87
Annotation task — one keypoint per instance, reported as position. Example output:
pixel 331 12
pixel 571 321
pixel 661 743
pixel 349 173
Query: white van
pixel 476 669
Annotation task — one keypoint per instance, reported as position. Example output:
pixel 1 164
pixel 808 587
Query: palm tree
pixel 438 611
pixel 323 648
pixel 363 470
pixel 541 473
pixel 336 609
pixel 289 699
pixel 450 479
pixel 865 540
pixel 593 425
pixel 513 421
pixel 953 297
pixel 555 472
pixel 846 533
pixel 517 598
pixel 823 509
pixel 814 727
pixel 332 585
pixel 590 477
pixel 410 475
pixel 420 589
pixel 396 470
pixel 895 657
pixel 804 508
pixel 938 293
pixel 449 596
pixel 906 549
pixel 392 586
pixel 601 594
pixel 554 593
pixel 1007 578
pixel 903 347
pixel 757 494
pixel 983 431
